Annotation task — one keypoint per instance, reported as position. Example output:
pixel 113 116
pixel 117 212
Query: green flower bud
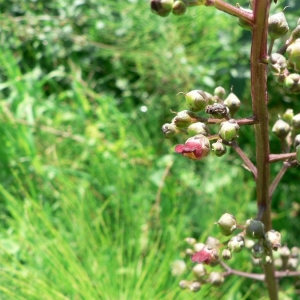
pixel 296 121
pixel 294 35
pixel 190 240
pixel 212 242
pixel 295 252
pixel 233 103
pixel 273 239
pixel 255 229
pixel 227 224
pixel 236 243
pixel 258 250
pixel 195 286
pixel 184 284
pixel 196 100
pixel 216 278
pixel 288 115
pixel 229 130
pixel 198 128
pixel 292 263
pixel 293 53
pixel 218 148
pixel 292 83
pixel 242 23
pixel 199 271
pixel 278 26
pixel 284 254
pixel 226 254
pixel 185 118
pixel 281 129
pixel 297 140
pixel 189 251
pixel 161 7
pixel 169 130
pixel 277 63
pixel 298 154
pixel 217 110
pixel 220 92
pixel 179 7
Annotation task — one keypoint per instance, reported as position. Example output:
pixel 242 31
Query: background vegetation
pixel 94 204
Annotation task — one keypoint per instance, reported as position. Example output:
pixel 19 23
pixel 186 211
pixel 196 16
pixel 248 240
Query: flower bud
pixel 169 130
pixel 207 255
pixel 198 247
pixel 190 240
pixel 294 35
pixel 267 260
pixel 195 148
pixel 277 63
pixel 189 251
pixel 179 7
pixel 297 140
pixel 284 252
pixel 226 254
pixel 216 278
pixel 212 242
pixel 229 130
pixel 185 118
pixel 217 110
pixel 161 7
pixel 298 154
pixel 198 128
pixel 281 129
pixel 227 224
pixel 255 229
pixel 292 264
pixel 292 83
pixel 233 103
pixel 218 148
pixel 196 100
pixel 199 271
pixel 296 121
pixel 236 243
pixel 295 252
pixel 273 239
pixel 278 25
pixel 178 267
pixel 258 250
pixel 242 23
pixel 195 286
pixel 288 115
pixel 293 53
pixel 220 92
pixel 184 284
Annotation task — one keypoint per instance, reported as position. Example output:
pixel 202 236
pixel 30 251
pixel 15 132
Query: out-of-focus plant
pixel 209 111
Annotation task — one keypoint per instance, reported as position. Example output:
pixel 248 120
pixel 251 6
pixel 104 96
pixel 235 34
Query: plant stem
pixel 260 110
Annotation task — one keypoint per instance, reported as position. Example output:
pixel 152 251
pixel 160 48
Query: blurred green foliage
pixel 94 205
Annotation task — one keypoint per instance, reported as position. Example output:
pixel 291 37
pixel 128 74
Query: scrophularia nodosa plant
pixel 218 109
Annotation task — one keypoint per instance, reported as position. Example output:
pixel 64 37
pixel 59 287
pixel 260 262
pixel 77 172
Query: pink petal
pixel 179 148
pixel 200 257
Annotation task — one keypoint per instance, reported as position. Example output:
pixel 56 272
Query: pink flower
pixel 195 147
pixel 207 255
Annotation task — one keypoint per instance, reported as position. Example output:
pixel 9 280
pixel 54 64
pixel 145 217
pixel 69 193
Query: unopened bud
pixel 198 128
pixel 297 140
pixel 258 250
pixel 196 100
pixel 277 63
pixel 185 118
pixel 216 278
pixel 294 35
pixel 199 271
pixel 198 247
pixel 179 7
pixel 296 121
pixel 273 239
pixel 267 260
pixel 227 224
pixel 255 229
pixel 288 115
pixel 292 263
pixel 229 130
pixel 293 53
pixel 169 130
pixel 226 254
pixel 218 148
pixel 281 129
pixel 190 240
pixel 284 252
pixel 189 251
pixel 233 103
pixel 295 252
pixel 242 23
pixel 178 267
pixel 195 286
pixel 184 284
pixel 161 7
pixel 217 110
pixel 212 242
pixel 292 83
pixel 236 243
pixel 220 92
pixel 278 25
